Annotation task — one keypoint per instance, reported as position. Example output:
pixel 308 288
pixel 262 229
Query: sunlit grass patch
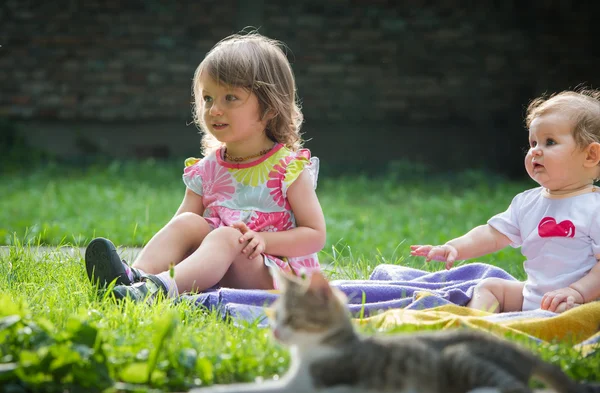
pixel 56 330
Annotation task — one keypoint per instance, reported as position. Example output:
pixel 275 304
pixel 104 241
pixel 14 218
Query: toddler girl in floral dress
pixel 250 203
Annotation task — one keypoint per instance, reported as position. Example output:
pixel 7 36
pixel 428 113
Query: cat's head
pixel 307 310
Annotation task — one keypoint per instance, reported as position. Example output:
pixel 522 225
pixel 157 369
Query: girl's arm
pixel 192 203
pixel 309 235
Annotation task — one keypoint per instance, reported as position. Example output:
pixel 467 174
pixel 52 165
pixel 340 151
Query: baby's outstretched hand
pixel 256 243
pixel 444 253
pixel 562 299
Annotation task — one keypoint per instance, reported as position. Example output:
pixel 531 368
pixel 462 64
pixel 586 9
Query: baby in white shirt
pixel 557 225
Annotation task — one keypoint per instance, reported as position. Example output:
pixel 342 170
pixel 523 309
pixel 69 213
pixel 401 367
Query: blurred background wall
pixel 442 83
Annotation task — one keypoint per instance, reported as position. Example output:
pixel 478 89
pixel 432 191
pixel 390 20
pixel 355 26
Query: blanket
pixel 578 327
pixel 388 287
pixel 399 295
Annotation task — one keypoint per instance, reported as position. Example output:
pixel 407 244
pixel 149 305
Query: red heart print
pixel 549 228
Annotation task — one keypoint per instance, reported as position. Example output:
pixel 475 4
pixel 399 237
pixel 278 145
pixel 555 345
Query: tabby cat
pixel 329 356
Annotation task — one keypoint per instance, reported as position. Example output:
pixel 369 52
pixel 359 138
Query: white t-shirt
pixel 559 236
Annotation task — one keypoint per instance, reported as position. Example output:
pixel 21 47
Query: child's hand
pixel 444 253
pixel 256 243
pixel 564 306
pixel 561 300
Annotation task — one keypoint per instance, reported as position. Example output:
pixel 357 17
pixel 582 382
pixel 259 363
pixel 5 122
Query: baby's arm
pixel 589 285
pixel 479 241
pixel 309 235
pixel 582 291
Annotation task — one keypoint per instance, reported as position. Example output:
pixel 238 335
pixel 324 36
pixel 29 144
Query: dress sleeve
pixel 302 161
pixel 507 223
pixel 192 174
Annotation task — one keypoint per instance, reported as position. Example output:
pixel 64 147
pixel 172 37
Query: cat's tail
pixel 554 377
pixel 588 388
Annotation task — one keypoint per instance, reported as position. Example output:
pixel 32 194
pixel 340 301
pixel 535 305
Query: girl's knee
pixel 190 223
pixel 227 234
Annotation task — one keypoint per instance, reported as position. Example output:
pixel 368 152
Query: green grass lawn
pixel 56 330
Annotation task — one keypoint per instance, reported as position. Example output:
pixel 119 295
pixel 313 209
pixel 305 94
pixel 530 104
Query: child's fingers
pixel 256 248
pixel 566 305
pixel 546 301
pixel 429 256
pixel 241 226
pixel 542 303
pixel 450 258
pixel 249 249
pixel 420 251
pixel 248 236
pixel 257 251
pixel 561 308
pixel 570 302
pixel 558 299
pixel 236 224
pixel 417 246
pixel 449 262
pixel 437 254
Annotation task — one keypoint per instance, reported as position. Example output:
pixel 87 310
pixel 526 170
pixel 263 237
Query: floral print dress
pixel 255 193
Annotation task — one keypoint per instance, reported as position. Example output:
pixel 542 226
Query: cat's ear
pixel 320 286
pixel 283 279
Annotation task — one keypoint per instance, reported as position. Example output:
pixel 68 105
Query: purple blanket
pixel 390 286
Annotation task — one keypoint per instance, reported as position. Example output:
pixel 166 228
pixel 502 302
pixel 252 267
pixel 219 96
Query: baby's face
pixel 554 159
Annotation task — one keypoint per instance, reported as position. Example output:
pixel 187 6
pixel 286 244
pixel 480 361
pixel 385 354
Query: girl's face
pixel 554 159
pixel 231 114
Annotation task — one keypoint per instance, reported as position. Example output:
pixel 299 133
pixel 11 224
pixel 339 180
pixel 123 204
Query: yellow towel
pixel 579 326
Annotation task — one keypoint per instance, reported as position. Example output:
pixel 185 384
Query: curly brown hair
pixel 581 106
pixel 258 64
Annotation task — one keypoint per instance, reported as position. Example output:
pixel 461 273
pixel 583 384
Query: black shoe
pixel 103 264
pixel 148 289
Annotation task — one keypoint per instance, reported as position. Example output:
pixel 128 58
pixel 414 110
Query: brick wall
pixel 380 81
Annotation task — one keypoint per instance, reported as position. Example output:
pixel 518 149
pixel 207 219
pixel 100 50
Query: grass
pixel 57 331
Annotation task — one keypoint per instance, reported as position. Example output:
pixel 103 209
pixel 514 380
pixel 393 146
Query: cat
pixel 327 355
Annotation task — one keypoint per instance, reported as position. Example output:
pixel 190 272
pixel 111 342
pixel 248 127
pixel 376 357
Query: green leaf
pixel 32 358
pixel 135 373
pixel 205 370
pixel 165 326
pixel 8 306
pixel 82 332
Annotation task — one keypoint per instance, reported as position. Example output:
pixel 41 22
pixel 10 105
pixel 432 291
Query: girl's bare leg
pixel 247 273
pixel 219 259
pixel 497 295
pixel 174 242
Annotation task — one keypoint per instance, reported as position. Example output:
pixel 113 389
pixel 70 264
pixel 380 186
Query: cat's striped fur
pixel 328 355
